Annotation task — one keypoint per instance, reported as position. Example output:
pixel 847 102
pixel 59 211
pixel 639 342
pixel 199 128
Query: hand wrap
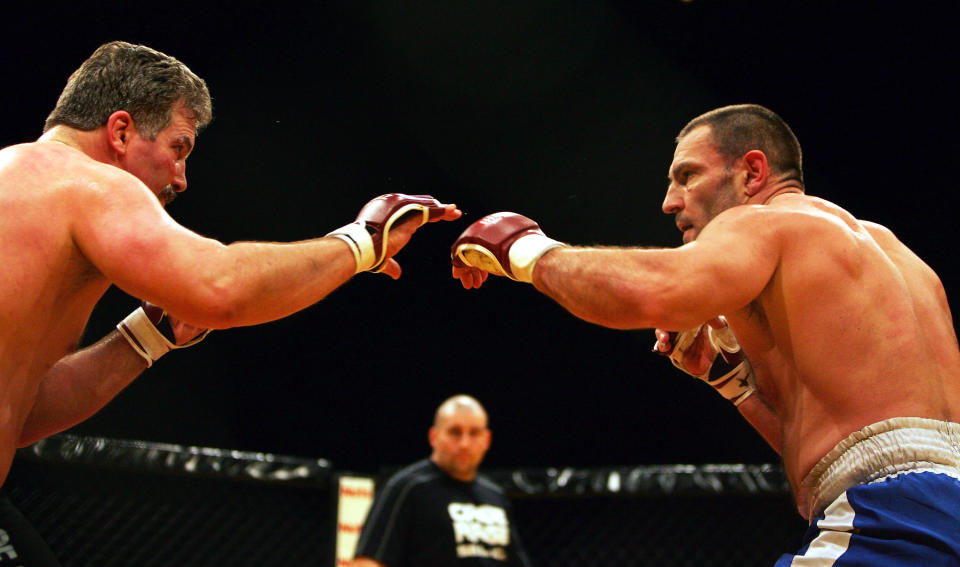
pixel 140 328
pixel 733 376
pixel 504 244
pixel 368 235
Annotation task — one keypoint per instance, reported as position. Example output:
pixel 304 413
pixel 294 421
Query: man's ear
pixel 120 128
pixel 757 170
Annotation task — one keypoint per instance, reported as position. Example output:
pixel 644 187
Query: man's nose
pixel 179 177
pixel 672 201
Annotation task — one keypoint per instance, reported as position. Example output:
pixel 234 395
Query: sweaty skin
pixel 852 328
pixel 843 324
pixel 82 210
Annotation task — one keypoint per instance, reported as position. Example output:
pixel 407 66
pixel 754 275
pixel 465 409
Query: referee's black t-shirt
pixel 422 517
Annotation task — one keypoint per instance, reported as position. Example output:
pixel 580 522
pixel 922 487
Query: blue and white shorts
pixel 904 513
pixel 911 519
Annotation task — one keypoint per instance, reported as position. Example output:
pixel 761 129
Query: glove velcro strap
pixel 736 385
pixel 525 252
pixel 144 337
pixel 361 244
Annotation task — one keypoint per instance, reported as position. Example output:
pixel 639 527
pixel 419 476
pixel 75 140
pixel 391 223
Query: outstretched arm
pixel 126 234
pixel 727 267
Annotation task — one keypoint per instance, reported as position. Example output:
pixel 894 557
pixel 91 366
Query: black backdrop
pixel 563 110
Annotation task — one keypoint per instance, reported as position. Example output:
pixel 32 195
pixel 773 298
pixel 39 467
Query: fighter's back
pixel 47 288
pixel 853 328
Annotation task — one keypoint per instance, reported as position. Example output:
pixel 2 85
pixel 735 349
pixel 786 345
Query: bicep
pixel 726 268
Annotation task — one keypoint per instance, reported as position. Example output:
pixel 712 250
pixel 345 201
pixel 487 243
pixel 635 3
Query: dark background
pixel 562 110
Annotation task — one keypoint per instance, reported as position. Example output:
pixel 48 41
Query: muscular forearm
pixel 249 283
pixel 299 277
pixel 79 385
pixel 614 287
pixel 208 284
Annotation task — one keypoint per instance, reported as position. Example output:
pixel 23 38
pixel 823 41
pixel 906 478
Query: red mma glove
pixel 503 244
pixel 731 375
pixel 368 235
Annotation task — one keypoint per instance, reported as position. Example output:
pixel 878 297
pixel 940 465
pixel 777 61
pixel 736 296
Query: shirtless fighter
pixel 83 208
pixel 852 371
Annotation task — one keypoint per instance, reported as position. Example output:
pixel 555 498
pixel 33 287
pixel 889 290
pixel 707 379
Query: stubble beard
pixel 167 195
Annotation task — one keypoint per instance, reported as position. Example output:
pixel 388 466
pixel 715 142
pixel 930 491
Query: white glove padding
pixel 732 376
pixel 140 330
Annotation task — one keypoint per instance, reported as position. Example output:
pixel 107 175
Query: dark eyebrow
pixel 673 170
pixel 677 167
pixel 186 141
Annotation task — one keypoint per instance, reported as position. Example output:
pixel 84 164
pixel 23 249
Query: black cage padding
pixel 113 503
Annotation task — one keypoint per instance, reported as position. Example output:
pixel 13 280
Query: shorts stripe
pixel 832 541
pixel 905 520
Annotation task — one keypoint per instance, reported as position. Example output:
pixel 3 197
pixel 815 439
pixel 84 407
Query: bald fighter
pixel 852 369
pixel 440 512
pixel 82 208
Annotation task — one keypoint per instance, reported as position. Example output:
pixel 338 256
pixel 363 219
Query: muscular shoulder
pixel 50 168
pixel 794 221
pixel 899 253
pixel 786 213
pixel 883 235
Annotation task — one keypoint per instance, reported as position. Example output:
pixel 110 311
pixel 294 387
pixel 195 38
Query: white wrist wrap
pixel 361 244
pixel 144 337
pixel 525 252
pixel 736 385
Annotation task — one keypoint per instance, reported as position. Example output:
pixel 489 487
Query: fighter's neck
pixel 90 143
pixel 766 196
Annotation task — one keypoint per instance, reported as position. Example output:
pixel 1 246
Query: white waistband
pixel 878 451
